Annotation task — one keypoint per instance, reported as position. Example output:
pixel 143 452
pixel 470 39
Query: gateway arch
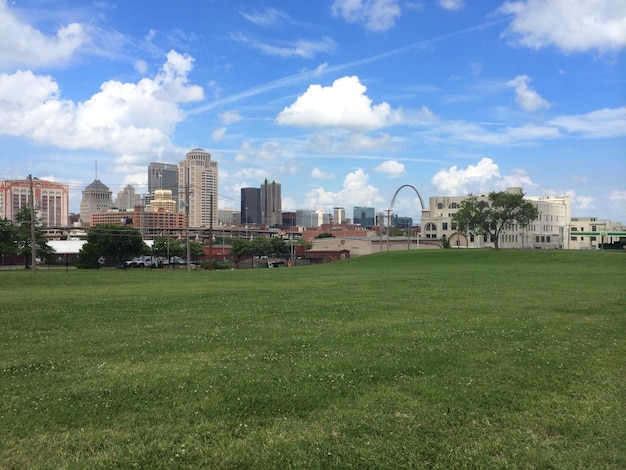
pixel 393 200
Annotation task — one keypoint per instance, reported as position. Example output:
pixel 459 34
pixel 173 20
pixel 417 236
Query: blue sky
pixel 342 101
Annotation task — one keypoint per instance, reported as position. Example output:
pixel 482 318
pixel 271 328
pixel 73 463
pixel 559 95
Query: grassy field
pixel 422 359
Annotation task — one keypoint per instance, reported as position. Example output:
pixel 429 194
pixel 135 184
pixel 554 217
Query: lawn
pixel 423 359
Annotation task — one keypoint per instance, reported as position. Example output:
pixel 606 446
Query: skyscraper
pixel 96 198
pixel 163 176
pixel 271 211
pixel 127 199
pixel 197 187
pixel 250 206
pixel 364 216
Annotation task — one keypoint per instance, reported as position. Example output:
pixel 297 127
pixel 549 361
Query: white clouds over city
pixel 374 15
pixel 566 25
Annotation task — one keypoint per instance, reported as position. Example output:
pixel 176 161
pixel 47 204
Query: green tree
pixel 23 236
pixel 279 245
pixel 261 246
pixel 240 246
pixel 495 215
pixel 167 247
pixel 115 243
pixel 8 244
pixel 325 235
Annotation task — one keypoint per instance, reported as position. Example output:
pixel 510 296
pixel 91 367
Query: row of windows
pixel 453 205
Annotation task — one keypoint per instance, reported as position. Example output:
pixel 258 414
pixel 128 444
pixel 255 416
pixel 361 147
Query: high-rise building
pixel 96 198
pixel 127 199
pixel 162 201
pixel 271 208
pixel 364 216
pixel 51 200
pixel 163 176
pixel 339 215
pixel 250 206
pixel 197 187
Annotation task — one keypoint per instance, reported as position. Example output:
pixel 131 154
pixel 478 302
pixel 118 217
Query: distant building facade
pixel 549 231
pixel 51 200
pixel 163 176
pixel 126 198
pixel 197 187
pixel 271 205
pixel 96 198
pixel 364 216
pixel 250 206
pixel 584 233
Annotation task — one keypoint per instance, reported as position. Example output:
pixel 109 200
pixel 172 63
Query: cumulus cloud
pixel 343 105
pixel 129 119
pixel 21 45
pixel 375 15
pixel 321 175
pixel 482 177
pixel 569 26
pixel 392 168
pixel 618 196
pixel 525 96
pixel 356 191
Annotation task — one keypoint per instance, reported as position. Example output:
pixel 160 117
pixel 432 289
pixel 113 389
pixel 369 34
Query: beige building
pixel 197 186
pixel 51 200
pixel 587 233
pixel 162 201
pixel 549 231
pixel 96 198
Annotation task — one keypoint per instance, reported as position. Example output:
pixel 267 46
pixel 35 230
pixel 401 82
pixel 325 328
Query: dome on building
pixel 97 186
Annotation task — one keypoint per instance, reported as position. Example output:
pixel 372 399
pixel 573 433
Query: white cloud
pixel 218 134
pixel 392 168
pixel 304 48
pixel 569 26
pixel 21 45
pixel 525 96
pixel 355 191
pixel 609 122
pixel 451 4
pixel 462 181
pixel 618 196
pixel 134 120
pixel 269 151
pixel 375 15
pixel 268 17
pixel 321 175
pixel 344 105
pixel 230 117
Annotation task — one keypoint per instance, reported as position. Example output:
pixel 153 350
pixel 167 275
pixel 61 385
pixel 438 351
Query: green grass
pixel 422 359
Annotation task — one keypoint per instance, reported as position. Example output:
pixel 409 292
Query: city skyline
pixel 343 102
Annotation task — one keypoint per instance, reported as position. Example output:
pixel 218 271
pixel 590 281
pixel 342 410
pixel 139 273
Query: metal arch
pixel 406 186
pixel 391 208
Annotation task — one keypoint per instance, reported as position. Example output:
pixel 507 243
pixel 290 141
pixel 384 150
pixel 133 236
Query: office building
pixel 51 200
pixel 96 198
pixel 271 208
pixel 163 176
pixel 197 187
pixel 364 216
pixel 127 199
pixel 250 206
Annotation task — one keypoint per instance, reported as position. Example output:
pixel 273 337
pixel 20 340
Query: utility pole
pixel 211 231
pixel 33 233
pixel 187 218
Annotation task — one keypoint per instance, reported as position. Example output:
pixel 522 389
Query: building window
pixel 440 205
pixel 574 239
pixel 594 228
pixel 548 239
pixel 454 205
pixel 444 226
pixel 537 239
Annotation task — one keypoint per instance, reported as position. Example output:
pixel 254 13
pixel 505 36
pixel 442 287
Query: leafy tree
pixel 195 249
pixel 240 246
pixel 325 235
pixel 494 215
pixel 279 245
pixel 163 247
pixel 113 242
pixel 261 246
pixel 8 245
pixel 23 237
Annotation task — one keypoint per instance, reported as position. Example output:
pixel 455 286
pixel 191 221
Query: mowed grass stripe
pixel 422 359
